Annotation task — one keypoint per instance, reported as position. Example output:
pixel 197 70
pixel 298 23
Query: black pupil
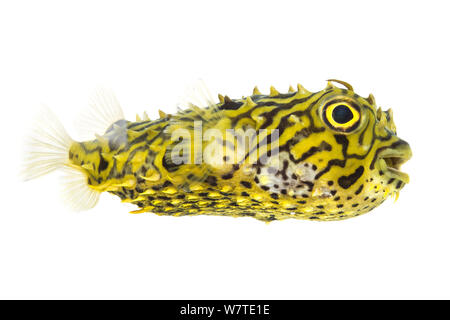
pixel 342 114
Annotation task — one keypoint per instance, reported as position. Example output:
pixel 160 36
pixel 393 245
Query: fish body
pixel 328 155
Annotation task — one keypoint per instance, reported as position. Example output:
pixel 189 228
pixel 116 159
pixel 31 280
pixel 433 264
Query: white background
pixel 56 52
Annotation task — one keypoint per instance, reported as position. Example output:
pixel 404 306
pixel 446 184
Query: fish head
pixel 363 155
pixel 339 154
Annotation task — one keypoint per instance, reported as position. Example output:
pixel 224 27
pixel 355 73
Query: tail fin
pixel 47 149
pixel 77 194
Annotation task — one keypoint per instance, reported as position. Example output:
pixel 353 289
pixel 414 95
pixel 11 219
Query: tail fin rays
pixel 47 147
pixel 76 193
pixel 46 150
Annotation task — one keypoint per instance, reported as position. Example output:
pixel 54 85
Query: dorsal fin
pixel 198 99
pixel 198 106
pixel 104 110
pixel 197 94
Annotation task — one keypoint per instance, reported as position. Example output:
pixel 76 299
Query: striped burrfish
pixel 327 155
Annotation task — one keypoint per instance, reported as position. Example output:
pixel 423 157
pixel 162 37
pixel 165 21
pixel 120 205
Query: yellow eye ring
pixel 341 115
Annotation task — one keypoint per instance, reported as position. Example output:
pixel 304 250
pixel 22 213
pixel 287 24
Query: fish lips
pixel 391 159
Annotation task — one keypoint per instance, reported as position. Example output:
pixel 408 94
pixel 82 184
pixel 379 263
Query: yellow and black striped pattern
pixel 324 167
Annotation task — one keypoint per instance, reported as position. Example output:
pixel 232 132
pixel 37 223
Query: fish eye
pixel 341 116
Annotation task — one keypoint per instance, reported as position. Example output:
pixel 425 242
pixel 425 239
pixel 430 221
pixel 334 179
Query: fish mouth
pixel 391 159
